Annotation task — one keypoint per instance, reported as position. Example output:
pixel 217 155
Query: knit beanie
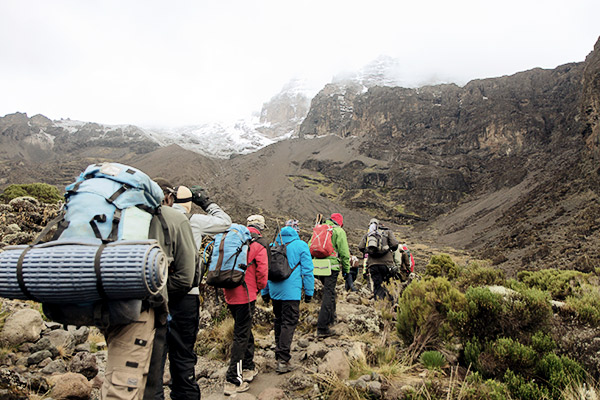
pixel 337 218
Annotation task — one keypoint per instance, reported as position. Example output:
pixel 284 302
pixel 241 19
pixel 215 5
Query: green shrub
pixel 479 275
pixel 526 312
pixel 559 373
pixel 432 359
pixel 476 388
pixel 510 354
pixel 560 283
pixel 442 265
pixel 427 302
pixel 472 352
pixel 488 315
pixel 542 343
pixel 482 316
pixel 586 306
pixel 524 389
pixel 41 191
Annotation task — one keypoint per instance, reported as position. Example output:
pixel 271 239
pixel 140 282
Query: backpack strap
pixel 221 251
pixel 97 271
pixel 62 225
pixel 20 275
pixel 163 222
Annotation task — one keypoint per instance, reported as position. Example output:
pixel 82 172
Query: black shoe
pixel 327 333
pixel 284 367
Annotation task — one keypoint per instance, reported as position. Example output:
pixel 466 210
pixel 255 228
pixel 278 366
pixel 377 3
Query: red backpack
pixel 321 245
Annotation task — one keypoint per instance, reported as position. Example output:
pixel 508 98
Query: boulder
pixel 335 362
pixel 23 326
pixel 62 339
pixel 84 364
pixel 71 386
pixel 55 367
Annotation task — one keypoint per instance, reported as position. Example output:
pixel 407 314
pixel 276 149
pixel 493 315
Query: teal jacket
pixel 302 278
pixel 340 244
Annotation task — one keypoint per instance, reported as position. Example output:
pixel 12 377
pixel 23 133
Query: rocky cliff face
pixel 38 139
pixel 591 101
pixel 282 115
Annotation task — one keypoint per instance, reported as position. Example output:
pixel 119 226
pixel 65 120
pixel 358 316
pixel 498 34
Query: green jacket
pixel 340 244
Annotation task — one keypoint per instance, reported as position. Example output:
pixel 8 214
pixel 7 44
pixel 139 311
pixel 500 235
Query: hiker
pixel 293 223
pixel 402 260
pixel 379 243
pixel 340 259
pixel 131 346
pixel 241 301
pixel 286 295
pixel 351 276
pixel 185 310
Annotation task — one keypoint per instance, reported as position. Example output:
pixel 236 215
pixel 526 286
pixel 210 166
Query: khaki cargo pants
pixel 128 361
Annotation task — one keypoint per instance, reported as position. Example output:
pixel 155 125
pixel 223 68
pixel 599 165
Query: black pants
pixel 351 278
pixel 242 348
pixel 154 383
pixel 286 313
pixel 181 339
pixel 327 313
pixel 379 275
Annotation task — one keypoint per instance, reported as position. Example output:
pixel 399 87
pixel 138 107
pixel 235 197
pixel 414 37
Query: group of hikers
pixel 112 208
pixel 169 323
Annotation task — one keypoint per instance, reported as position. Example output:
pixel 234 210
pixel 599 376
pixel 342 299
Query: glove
pixel 199 197
pixel 344 275
pixel 307 298
pixel 266 298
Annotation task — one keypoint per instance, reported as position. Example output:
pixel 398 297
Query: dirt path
pixel 261 382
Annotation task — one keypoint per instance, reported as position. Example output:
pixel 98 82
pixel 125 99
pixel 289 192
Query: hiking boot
pixel 323 334
pixel 231 388
pixel 284 367
pixel 249 374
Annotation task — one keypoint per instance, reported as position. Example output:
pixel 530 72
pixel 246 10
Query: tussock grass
pixel 332 388
pixel 215 342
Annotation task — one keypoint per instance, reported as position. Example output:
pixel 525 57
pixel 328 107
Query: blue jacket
pixel 302 277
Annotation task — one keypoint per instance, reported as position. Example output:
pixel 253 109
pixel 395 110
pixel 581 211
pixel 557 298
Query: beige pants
pixel 128 361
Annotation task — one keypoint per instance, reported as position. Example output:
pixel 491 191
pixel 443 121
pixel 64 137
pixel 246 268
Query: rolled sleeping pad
pixel 67 272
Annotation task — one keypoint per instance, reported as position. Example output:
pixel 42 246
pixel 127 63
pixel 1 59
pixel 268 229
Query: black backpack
pixel 279 267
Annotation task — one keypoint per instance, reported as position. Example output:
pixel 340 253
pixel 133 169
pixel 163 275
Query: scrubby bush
pixel 559 372
pixel 476 274
pixel 560 283
pixel 526 312
pixel 524 389
pixel 41 191
pixel 427 302
pixel 442 265
pixel 432 359
pixel 476 388
pixel 586 306
pixel 482 316
pixel 542 343
pixel 510 354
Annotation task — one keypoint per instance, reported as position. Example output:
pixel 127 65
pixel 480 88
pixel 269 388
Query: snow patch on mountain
pixel 216 139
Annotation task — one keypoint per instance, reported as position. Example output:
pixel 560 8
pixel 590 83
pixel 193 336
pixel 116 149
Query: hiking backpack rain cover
pixel 100 253
pixel 228 262
pixel 321 245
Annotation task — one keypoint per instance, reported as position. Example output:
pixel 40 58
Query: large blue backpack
pixel 228 262
pixel 110 202
pixel 100 264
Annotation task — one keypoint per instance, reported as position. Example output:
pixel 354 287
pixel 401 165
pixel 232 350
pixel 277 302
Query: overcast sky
pixel 175 62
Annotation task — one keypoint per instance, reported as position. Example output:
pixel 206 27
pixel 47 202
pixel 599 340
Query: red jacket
pixel 256 275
